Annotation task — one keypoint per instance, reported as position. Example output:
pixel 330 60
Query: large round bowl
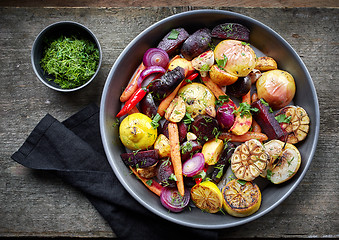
pixel 264 39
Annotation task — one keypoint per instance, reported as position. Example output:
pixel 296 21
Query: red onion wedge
pixel 148 71
pixel 155 57
pixel 194 165
pixel 171 199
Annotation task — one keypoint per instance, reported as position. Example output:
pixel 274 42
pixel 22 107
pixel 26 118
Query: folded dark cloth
pixel 73 151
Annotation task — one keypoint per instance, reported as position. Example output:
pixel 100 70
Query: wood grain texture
pixel 38 204
pixel 173 3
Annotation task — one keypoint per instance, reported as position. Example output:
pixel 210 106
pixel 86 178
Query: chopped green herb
pixel 71 61
pixel 155 121
pixel 205 68
pixel 222 99
pixel 245 109
pixel 172 177
pixel 188 118
pixel 282 118
pixel 173 34
pixel 221 63
pixel 242 182
pixel 264 102
pixel 245 43
pixel 149 182
pixel 269 174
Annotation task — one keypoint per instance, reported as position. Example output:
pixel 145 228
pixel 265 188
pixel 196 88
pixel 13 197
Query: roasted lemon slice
pixel 284 161
pixel 241 198
pixel 249 160
pixel 296 124
pixel 207 196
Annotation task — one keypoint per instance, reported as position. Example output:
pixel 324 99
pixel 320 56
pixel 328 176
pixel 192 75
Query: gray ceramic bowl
pixel 264 39
pixel 54 31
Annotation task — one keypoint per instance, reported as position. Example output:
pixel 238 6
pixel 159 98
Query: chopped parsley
pixel 242 182
pixel 155 121
pixel 282 118
pixel 188 119
pixel 222 99
pixel 71 61
pixel 245 109
pixel 222 62
pixel 173 34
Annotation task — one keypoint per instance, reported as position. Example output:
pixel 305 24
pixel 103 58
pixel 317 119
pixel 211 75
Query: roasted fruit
pixel 249 160
pixel 285 161
pixel 295 122
pixel 197 98
pixel 234 31
pixel 136 132
pixel 173 40
pixel 277 87
pixel 196 43
pixel 241 198
pixel 184 63
pixel 241 58
pixel 266 120
pixel 207 197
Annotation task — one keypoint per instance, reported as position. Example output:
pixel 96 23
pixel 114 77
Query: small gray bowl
pixel 54 31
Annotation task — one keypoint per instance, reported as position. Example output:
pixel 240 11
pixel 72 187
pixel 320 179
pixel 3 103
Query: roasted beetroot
pixel 205 127
pixel 234 31
pixel 189 148
pixel 266 119
pixel 196 44
pixel 173 40
pixel 182 127
pixel 165 173
pixel 148 106
pixel 220 168
pixel 141 159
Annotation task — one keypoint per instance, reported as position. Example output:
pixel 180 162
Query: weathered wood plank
pixel 37 204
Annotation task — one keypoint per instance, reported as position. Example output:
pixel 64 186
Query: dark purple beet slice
pixel 234 31
pixel 141 159
pixel 204 127
pixel 269 125
pixel 188 148
pixel 171 44
pixel 165 174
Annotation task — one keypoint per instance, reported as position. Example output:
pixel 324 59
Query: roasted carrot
pixel 132 86
pixel 247 98
pixel 243 138
pixel 152 185
pixel 215 89
pixel 175 155
pixel 255 127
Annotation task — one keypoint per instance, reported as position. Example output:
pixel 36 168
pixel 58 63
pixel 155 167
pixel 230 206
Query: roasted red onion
pixel 148 71
pixel 171 199
pixel 155 57
pixel 225 116
pixel 194 165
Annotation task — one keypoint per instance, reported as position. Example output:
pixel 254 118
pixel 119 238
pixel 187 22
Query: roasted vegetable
pixel 196 43
pixel 219 76
pixel 276 87
pixel 266 120
pixel 220 167
pixel 203 62
pixel 167 83
pixel 266 64
pixel 140 159
pixel 240 88
pixel 212 150
pixel 184 63
pixel 234 31
pixel 189 148
pixel 148 106
pixel 148 172
pixel 163 146
pixel 171 199
pixel 182 127
pixel 295 122
pixel 176 110
pixel 225 116
pixel 205 128
pixel 249 160
pixel 240 57
pixel 173 40
pixel 197 98
pixel 165 173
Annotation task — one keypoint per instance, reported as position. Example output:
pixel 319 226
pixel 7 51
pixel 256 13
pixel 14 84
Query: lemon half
pixel 207 197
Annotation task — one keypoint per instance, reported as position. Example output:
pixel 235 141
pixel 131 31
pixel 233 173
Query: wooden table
pixel 36 204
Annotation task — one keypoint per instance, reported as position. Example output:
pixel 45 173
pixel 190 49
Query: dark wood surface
pixel 37 204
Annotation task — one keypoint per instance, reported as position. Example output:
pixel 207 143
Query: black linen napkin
pixel 73 151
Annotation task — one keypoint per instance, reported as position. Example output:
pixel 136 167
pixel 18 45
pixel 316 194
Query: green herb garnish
pixel 245 109
pixel 282 118
pixel 155 121
pixel 221 62
pixel 242 182
pixel 71 61
pixel 173 34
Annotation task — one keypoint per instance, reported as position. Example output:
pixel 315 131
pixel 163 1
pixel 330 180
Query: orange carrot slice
pixel 152 185
pixel 243 138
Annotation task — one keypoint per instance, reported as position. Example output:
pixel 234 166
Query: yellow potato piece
pixel 163 145
pixel 212 150
pixel 266 64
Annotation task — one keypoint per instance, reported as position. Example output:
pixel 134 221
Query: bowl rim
pixel 313 142
pixel 48 28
